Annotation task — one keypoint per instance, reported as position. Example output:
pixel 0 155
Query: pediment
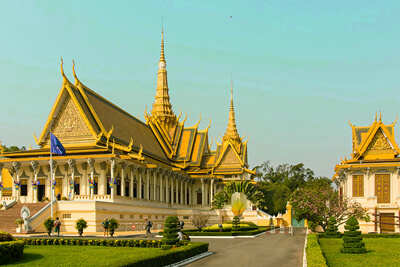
pixel 380 146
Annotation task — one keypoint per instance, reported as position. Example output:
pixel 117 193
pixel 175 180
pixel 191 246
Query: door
pixel 384 219
pixel 41 189
pixel 382 187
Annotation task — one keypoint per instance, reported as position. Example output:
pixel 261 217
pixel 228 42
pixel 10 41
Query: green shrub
pixel 175 254
pixel 80 225
pixel 49 225
pixel 314 252
pixel 332 230
pixel 170 236
pixel 373 235
pixel 352 238
pixel 11 250
pixel 4 236
pixel 19 221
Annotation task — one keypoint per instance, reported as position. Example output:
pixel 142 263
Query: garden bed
pixel 381 251
pixel 105 255
pixel 260 229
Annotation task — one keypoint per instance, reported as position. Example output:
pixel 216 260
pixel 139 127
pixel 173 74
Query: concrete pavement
pixel 265 250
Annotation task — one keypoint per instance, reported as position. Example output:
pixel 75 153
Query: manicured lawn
pixel 381 252
pixel 88 255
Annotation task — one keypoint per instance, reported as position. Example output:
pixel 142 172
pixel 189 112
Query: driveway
pixel 265 250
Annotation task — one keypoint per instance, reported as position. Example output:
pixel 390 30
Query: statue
pixel 25 213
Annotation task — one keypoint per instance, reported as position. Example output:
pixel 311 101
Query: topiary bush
pixel 114 224
pixel 11 250
pixel 332 229
pixel 235 224
pixel 170 236
pixel 49 225
pixel 352 238
pixel 4 237
pixel 80 225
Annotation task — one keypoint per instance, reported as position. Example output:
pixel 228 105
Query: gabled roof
pixel 100 115
pixel 375 141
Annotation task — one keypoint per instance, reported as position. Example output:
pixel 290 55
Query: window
pixel 131 216
pixel 67 216
pixel 358 185
pixel 121 216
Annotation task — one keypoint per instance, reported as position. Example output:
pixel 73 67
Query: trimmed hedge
pixel 381 235
pixel 352 238
pixel 11 250
pixel 314 252
pixel 232 233
pixel 4 236
pixel 96 242
pixel 175 254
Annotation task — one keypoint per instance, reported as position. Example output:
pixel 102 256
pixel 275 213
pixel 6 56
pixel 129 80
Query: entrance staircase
pixel 8 217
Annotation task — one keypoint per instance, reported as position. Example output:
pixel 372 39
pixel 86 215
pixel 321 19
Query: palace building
pixel 119 166
pixel 371 176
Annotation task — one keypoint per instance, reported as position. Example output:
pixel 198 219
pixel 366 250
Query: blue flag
pixel 56 146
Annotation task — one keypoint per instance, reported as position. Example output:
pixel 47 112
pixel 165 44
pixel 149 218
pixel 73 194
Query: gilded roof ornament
pixel 73 72
pixel 62 71
pixel 231 131
pixel 380 116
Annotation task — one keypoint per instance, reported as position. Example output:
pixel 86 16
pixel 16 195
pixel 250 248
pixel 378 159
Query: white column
pixel 186 191
pixel 161 186
pixel 71 184
pixel 140 193
pixel 147 187
pixel 16 166
pixel 1 179
pixel 190 192
pixel 91 166
pixel 212 190
pixel 155 184
pixel 167 187
pixel 35 165
pixel 131 169
pixel 123 166
pixel 172 188
pixel 177 189
pixel 113 166
pixel 202 192
pixel 182 196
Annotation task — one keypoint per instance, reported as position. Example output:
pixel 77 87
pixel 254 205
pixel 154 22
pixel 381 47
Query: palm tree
pixel 245 187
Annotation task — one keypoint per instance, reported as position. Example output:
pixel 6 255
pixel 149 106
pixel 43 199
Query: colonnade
pixel 149 182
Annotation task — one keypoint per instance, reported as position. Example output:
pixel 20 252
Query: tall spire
pixel 162 107
pixel 231 131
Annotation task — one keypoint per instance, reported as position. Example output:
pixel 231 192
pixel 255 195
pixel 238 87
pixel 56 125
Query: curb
pixel 304 251
pixel 190 260
pixel 222 237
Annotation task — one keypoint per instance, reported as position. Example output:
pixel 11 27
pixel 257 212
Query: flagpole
pixel 51 181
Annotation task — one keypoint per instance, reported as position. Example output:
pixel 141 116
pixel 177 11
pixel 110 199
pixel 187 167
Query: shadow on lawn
pixel 28 258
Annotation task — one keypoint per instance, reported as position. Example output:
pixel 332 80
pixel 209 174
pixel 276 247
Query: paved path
pixel 265 250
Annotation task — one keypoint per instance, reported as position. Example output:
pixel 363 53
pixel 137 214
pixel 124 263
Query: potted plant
pixel 112 226
pixel 49 224
pixel 80 225
pixel 19 222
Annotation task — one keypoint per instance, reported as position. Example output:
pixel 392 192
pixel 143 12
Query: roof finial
pixel 380 116
pixel 162 64
pixel 231 131
pixel 62 70
pixel 376 115
pixel 73 71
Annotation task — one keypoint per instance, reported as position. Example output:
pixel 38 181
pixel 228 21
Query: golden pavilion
pixel 117 165
pixel 371 175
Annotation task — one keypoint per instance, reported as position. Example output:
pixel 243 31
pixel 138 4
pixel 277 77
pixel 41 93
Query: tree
pixel 199 221
pixel 352 238
pixel 275 198
pixel 170 236
pixel 319 203
pixel 246 187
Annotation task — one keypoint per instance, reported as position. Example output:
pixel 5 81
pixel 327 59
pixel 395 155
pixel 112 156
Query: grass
pixel 380 252
pixel 87 255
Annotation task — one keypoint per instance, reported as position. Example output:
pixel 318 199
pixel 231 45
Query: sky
pixel 300 69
